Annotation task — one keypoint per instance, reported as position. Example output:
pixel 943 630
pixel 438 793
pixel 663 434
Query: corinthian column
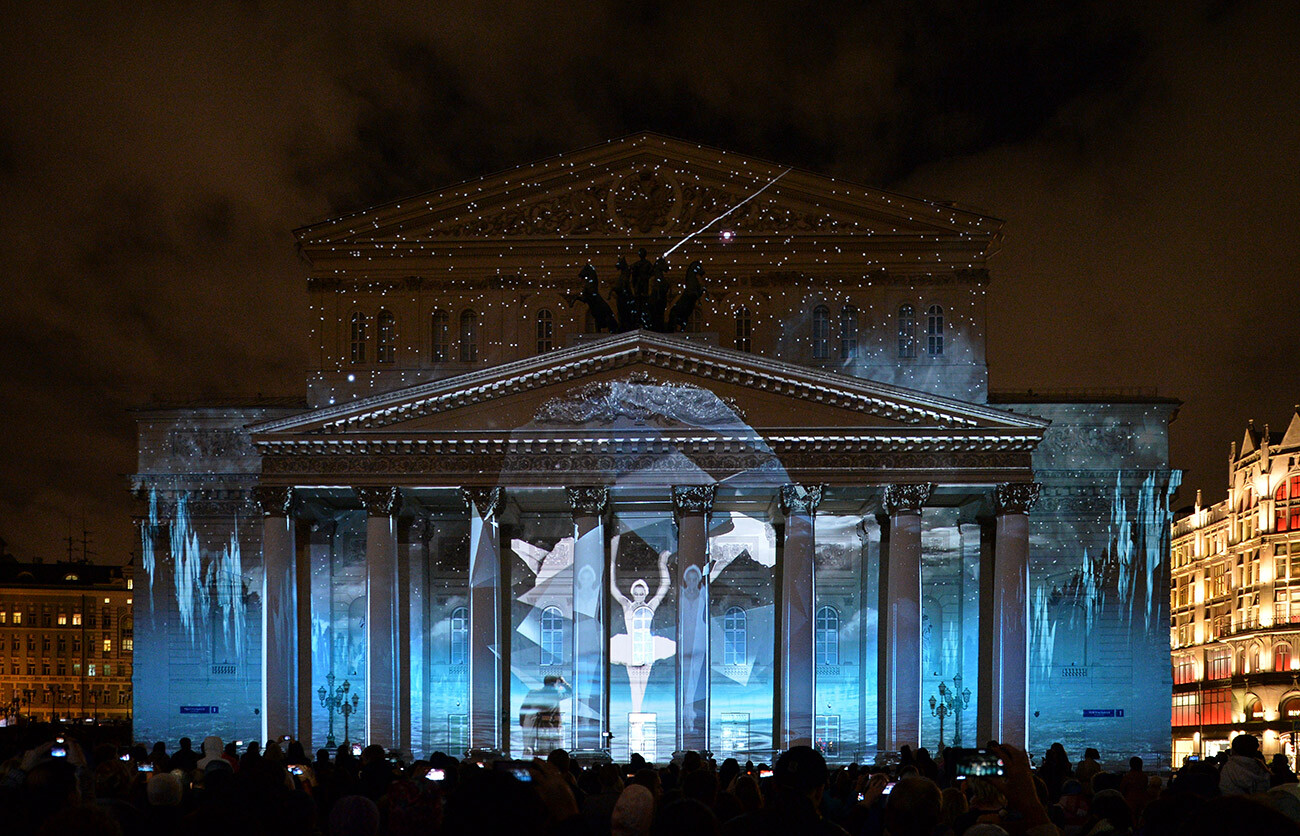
pixel 900 618
pixel 797 610
pixel 692 505
pixel 382 651
pixel 486 690
pixel 1003 701
pixel 279 613
pixel 590 659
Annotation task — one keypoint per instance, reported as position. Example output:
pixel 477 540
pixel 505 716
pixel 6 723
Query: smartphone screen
pixel 888 788
pixel 435 775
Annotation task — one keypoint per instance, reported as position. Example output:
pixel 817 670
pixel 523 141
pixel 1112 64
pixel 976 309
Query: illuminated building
pixel 479 491
pixel 1235 604
pixel 65 641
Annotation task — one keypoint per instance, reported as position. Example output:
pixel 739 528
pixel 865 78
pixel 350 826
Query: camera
pixel 979 763
pixel 356 750
pixel 58 751
pixel 295 769
pixel 144 766
pixel 519 769
pixel 765 773
pixel 435 775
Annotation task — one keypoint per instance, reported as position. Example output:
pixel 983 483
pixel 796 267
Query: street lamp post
pixel 336 700
pixel 951 701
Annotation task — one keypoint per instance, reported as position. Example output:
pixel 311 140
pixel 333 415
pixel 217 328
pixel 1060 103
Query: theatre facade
pixel 747 489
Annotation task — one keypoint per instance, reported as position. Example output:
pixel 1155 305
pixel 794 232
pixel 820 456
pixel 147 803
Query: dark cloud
pixel 154 160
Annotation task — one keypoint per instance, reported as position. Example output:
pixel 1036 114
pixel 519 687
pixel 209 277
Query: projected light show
pixel 571 474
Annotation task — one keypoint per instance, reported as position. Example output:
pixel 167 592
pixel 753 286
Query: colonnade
pixel 1002 705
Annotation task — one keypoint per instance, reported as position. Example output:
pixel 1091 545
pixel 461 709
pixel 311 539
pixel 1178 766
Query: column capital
pixel 1015 497
pixel 800 499
pixel 274 501
pixel 907 498
pixel 587 500
pixel 693 499
pixel 379 502
pixel 487 501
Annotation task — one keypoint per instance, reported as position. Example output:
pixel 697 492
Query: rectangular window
pixel 108 645
pixel 1184 670
pixel 735 732
pixel 643 735
pixel 76 619
pixel 128 645
pixel 63 619
pixel 458 733
pixel 1218 663
pixel 18 617
pixel 90 669
pixel 826 733
pixel 45 667
pixel 1217 707
pixel 4 616
pixel 1186 710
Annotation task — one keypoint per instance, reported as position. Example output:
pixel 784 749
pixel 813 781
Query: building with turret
pixel 1235 603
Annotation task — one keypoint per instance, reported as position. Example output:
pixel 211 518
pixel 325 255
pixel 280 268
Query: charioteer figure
pixel 640 295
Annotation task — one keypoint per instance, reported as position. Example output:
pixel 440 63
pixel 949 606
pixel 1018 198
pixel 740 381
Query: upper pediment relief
pixel 646 186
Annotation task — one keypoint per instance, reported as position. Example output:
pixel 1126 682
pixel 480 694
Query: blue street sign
pixel 1103 712
pixel 200 709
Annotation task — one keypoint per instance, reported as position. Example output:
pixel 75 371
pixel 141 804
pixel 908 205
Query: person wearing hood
pixel 1244 773
pixel 212 750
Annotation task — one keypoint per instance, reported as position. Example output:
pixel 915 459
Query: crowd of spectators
pixel 57 786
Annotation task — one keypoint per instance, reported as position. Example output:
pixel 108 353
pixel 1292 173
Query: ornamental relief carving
pixel 541 464
pixel 644 201
pixel 641 399
pixel 693 499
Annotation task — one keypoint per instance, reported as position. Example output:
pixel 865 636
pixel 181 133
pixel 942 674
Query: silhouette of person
pixel 539 716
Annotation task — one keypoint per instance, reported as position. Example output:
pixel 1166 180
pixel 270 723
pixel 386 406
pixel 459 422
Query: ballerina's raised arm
pixel 664 580
pixel 613 574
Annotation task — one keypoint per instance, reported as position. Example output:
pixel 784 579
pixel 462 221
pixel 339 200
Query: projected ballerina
pixel 638 649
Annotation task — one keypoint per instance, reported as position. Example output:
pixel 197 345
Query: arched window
pixel 1290 709
pixel 469 337
pixel 552 636
pixel 386 346
pixel 459 649
pixel 848 332
pixel 906 331
pixel 934 331
pixel 360 327
pixel 744 329
pixel 1282 657
pixel 694 323
pixel 1254 709
pixel 545 331
pixel 440 347
pixel 642 640
pixel 735 638
pixel 827 638
pixel 821 333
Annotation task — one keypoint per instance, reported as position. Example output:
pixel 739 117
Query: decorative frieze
pixel 380 502
pixel 907 499
pixel 587 501
pixel 1016 497
pixel 486 501
pixel 640 399
pixel 274 501
pixel 693 499
pixel 800 499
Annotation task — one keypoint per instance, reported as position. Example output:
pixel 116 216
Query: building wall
pixel 66 652
pixel 1235 601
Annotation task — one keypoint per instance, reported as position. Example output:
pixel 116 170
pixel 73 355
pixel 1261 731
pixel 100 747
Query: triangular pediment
pixel 645 187
pixel 645 380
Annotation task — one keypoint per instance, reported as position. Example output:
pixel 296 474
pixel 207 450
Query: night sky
pixel 153 163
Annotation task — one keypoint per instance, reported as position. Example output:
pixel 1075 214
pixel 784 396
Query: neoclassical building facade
pixel 754 493
pixel 1235 603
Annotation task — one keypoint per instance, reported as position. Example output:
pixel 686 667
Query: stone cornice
pixel 745 370
pixel 900 442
